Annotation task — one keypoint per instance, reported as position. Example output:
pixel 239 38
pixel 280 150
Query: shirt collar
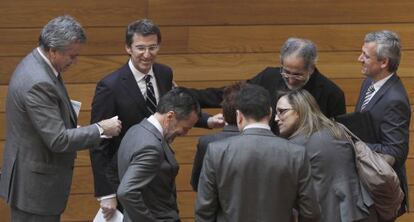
pixel 156 123
pixel 137 74
pixel 378 84
pixel 47 61
pixel 257 125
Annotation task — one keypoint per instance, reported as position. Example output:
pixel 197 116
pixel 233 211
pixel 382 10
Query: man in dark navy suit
pixel 383 95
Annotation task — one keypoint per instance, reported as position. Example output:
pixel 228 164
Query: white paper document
pixel 117 217
pixel 76 106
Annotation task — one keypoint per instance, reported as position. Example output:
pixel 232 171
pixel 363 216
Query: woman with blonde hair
pixel 340 193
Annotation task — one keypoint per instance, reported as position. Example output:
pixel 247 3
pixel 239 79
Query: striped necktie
pixel 150 101
pixel 368 96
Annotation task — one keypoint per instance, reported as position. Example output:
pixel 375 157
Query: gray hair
pixel 60 32
pixel 388 47
pixel 301 48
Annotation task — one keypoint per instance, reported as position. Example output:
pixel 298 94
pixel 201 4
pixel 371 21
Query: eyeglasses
pixel 150 48
pixel 281 112
pixel 288 75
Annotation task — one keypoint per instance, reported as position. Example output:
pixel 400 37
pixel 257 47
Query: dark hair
pixel 144 27
pixel 253 101
pixel 229 102
pixel 179 100
pixel 60 32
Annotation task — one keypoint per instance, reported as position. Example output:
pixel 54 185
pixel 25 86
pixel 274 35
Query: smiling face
pixel 294 72
pixel 286 118
pixel 62 60
pixel 371 66
pixel 143 51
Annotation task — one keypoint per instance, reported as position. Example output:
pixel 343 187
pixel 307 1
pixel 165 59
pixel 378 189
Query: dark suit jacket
pixel 330 97
pixel 119 94
pixel 41 140
pixel 340 193
pixel 391 114
pixel 255 176
pixel 147 170
pixel 228 131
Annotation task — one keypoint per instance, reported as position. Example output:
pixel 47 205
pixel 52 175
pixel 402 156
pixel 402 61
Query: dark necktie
pixel 150 101
pixel 367 97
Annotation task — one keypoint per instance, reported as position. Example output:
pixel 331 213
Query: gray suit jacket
pixel 391 114
pixel 255 176
pixel 147 169
pixel 41 140
pixel 228 131
pixel 340 193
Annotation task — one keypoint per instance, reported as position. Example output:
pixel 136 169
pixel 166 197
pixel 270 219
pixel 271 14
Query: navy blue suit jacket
pixel 391 113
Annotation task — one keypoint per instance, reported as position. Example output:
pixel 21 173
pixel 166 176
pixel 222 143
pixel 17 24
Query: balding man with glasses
pixel 298 59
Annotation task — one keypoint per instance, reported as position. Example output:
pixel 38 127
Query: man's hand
pixel 111 127
pixel 108 207
pixel 216 121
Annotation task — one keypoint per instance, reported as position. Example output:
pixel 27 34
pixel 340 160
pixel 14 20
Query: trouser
pixel 22 216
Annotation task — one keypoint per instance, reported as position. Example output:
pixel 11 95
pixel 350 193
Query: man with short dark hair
pixel 42 134
pixel 255 176
pixel 131 93
pixel 147 165
pixel 230 129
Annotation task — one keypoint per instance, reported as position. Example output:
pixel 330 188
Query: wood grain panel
pixel 85 92
pixel 211 67
pixel 216 12
pixel 89 13
pixel 215 39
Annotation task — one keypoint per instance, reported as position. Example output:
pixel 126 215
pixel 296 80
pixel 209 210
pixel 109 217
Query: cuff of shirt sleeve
pixel 106 197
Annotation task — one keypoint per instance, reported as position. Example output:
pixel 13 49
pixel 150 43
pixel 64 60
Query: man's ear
pixel 170 115
pixel 128 49
pixel 385 63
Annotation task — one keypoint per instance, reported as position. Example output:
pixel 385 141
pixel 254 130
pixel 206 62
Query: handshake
pixel 111 127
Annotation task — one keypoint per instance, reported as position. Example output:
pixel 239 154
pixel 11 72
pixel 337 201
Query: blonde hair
pixel 311 119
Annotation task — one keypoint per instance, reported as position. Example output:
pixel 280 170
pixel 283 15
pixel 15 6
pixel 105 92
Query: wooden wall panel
pixel 22 14
pixel 211 67
pixel 207 47
pixel 216 12
pixel 85 92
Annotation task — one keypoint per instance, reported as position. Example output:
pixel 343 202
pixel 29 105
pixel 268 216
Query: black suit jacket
pixel 228 131
pixel 391 113
pixel 119 94
pixel 330 97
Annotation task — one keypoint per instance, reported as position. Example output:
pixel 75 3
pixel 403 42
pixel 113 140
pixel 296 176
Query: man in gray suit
pixel 42 134
pixel 146 164
pixel 383 95
pixel 255 176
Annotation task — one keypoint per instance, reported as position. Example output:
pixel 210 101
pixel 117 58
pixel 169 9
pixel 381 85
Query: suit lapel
pixel 168 152
pixel 366 83
pixel 131 86
pixel 381 92
pixel 73 117
pixel 170 156
pixel 61 89
pixel 162 88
